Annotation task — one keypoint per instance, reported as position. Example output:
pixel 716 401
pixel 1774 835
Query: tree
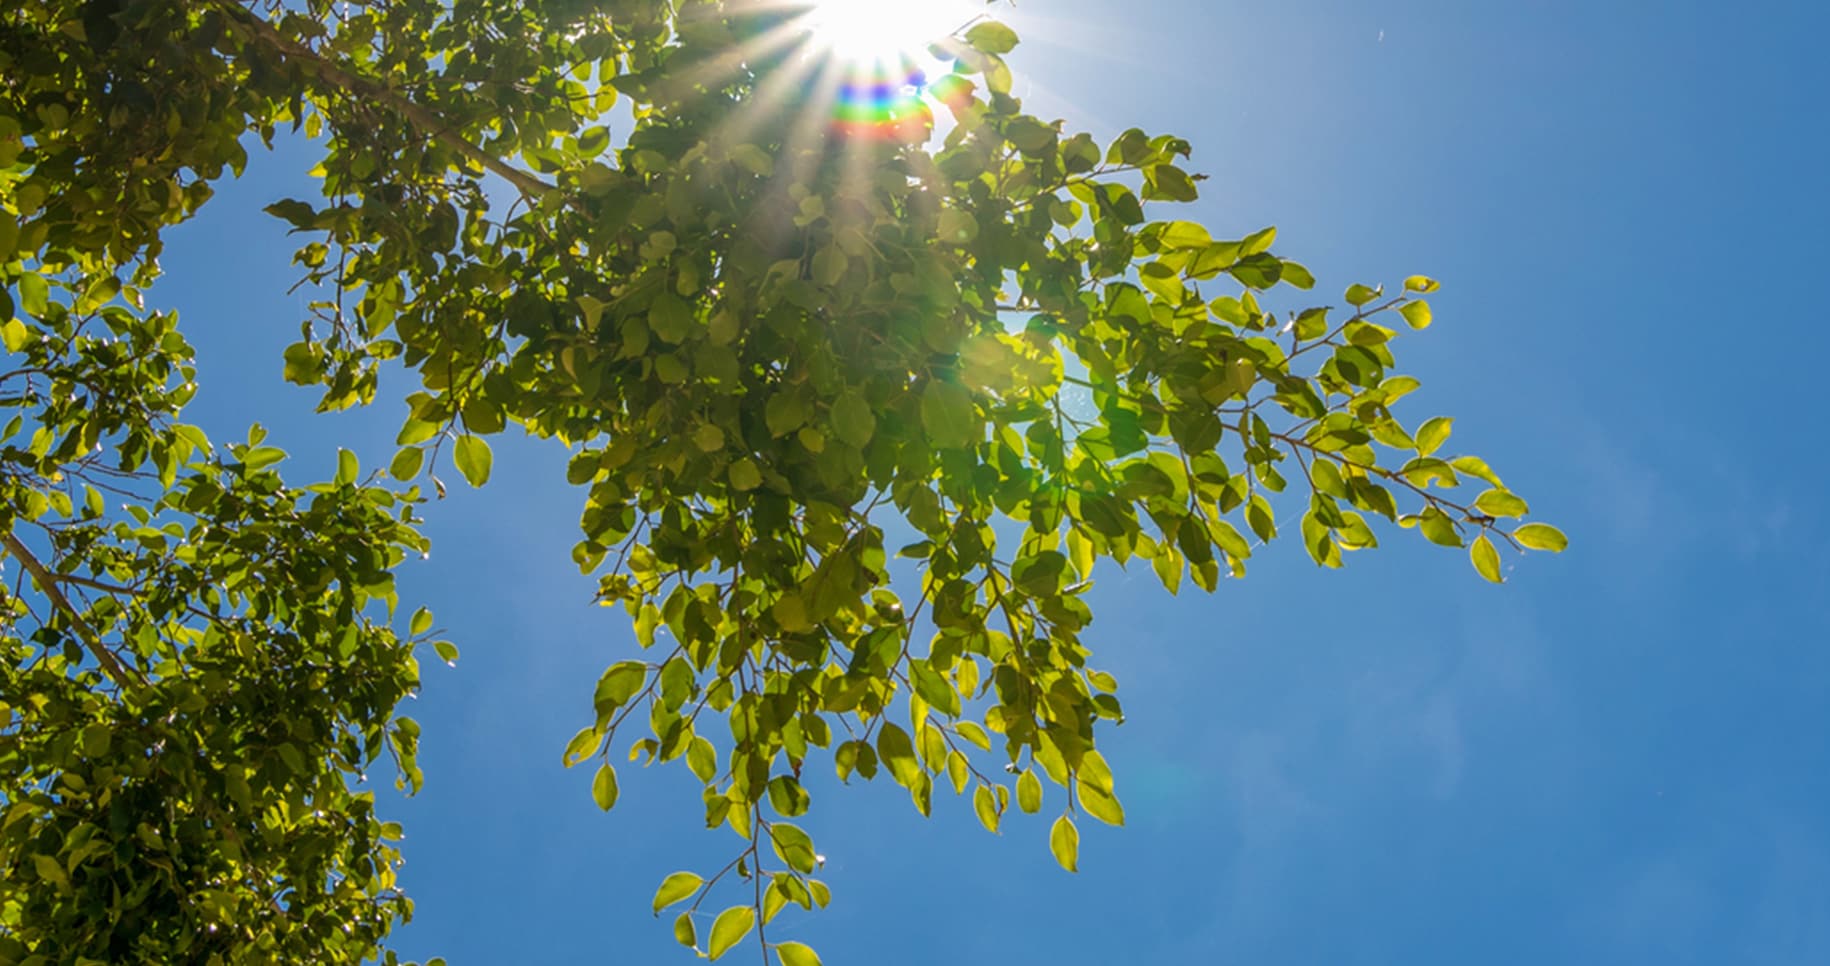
pixel 778 330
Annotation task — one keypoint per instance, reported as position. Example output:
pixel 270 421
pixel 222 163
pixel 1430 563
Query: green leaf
pixel 1433 433
pixel 933 687
pixel 709 438
pixel 898 754
pixel 1064 842
pixel 618 684
pixel 958 227
pixel 852 419
pixel 729 929
pixel 797 954
pixel 793 846
pixel 702 759
pixel 992 37
pixel 14 333
pixel 1029 791
pixel 1438 528
pixel 603 787
pixel 670 318
pixel 1421 284
pixel 1358 295
pixel 1416 314
pixel 984 804
pixel 473 459
pixel 948 416
pixel 1486 558
pixel 406 463
pixel 1501 503
pixel 347 467
pixel 684 932
pixel 583 745
pixel 420 623
pixel 1100 803
pixel 260 457
pixel 745 475
pixel 1541 536
pixel 34 294
pixel 676 888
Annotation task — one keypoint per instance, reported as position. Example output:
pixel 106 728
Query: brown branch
pixel 48 583
pixel 255 30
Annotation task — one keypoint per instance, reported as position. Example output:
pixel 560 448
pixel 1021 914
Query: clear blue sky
pixel 1623 756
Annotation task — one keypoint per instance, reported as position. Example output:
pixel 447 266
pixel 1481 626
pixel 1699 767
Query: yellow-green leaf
pixel 14 334
pixel 1486 558
pixel 675 888
pixel 1029 792
pixel 603 788
pixel 1501 503
pixel 1100 803
pixel 793 845
pixel 729 929
pixel 992 37
pixel 985 805
pixel 797 954
pixel 473 459
pixel 1432 434
pixel 1541 536
pixel 1064 842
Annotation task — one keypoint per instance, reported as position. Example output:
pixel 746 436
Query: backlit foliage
pixel 786 340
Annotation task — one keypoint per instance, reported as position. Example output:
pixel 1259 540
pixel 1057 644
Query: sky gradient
pixel 1612 759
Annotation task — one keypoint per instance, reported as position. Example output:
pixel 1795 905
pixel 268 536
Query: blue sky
pixel 1616 758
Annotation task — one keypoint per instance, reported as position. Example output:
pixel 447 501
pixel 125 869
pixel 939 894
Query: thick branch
pixel 252 28
pixel 48 583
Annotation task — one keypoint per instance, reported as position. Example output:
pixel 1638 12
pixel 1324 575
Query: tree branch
pixel 47 582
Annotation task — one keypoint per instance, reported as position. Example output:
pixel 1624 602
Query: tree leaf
pixel 473 459
pixel 603 787
pixel 1064 842
pixel 1029 791
pixel 1541 536
pixel 984 804
pixel 898 754
pixel 1100 803
pixel 852 420
pixel 948 416
pixel 676 888
pixel 793 846
pixel 729 929
pixel 670 318
pixel 1432 434
pixel 1486 558
pixel 992 37
pixel 1501 503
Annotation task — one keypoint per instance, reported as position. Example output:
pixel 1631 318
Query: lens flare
pixel 877 55
pixel 870 31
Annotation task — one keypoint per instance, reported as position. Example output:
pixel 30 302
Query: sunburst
pixel 873 32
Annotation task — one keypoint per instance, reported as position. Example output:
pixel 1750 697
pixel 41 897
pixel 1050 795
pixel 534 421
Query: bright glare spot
pixel 865 31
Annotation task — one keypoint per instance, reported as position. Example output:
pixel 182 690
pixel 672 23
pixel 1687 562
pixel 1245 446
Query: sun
pixel 879 31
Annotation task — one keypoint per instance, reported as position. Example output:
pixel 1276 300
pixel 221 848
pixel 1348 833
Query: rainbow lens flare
pixel 881 101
